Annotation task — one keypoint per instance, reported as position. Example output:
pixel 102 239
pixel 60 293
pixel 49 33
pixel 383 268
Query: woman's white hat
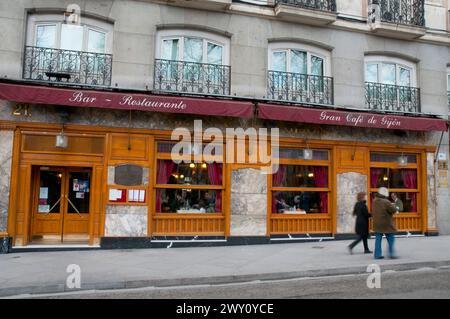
pixel 383 191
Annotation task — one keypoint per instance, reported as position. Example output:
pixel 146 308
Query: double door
pixel 61 205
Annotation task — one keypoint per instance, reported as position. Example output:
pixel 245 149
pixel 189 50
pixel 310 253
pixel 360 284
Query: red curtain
pixel 279 177
pixel 215 178
pixel 321 180
pixel 375 174
pixel 163 171
pixel 409 177
pixel 277 181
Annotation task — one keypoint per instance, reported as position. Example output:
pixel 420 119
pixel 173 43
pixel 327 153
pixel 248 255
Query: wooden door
pixel 61 205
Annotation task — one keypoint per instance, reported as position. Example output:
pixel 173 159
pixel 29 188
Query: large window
pixel 301 186
pixel 299 73
pixel 78 53
pixel 187 187
pixel 401 178
pixel 448 87
pixel 192 61
pixel 391 84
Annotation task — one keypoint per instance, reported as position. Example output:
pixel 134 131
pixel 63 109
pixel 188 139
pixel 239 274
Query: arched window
pixel 300 73
pixel 192 61
pixel 78 53
pixel 391 84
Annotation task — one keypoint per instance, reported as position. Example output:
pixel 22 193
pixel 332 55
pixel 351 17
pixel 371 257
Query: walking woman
pixel 362 222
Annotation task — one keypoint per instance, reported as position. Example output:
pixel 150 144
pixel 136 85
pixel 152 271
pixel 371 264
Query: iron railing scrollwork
pixel 409 12
pixel 386 97
pixel 321 5
pixel 67 66
pixel 301 88
pixel 191 77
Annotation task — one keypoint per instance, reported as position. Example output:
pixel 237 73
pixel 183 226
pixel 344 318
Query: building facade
pixel 90 92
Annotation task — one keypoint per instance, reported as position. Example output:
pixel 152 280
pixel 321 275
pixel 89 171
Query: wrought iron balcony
pixel 67 66
pixel 409 12
pixel 191 77
pixel 321 5
pixel 386 97
pixel 301 88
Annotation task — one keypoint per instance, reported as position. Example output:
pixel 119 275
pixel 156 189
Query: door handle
pixel 54 205
pixel 73 206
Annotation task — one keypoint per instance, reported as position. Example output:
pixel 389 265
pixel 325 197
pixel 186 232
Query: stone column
pixel 431 192
pixel 348 186
pixel 126 221
pixel 6 142
pixel 248 202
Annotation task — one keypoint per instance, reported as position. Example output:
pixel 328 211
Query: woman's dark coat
pixel 362 218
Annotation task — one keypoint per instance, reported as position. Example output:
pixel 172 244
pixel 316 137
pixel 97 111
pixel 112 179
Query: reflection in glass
pixel 388 73
pixel 372 72
pixel 279 61
pixel 96 42
pixel 45 36
pixel 71 37
pixel 298 62
pixel 299 202
pixel 188 201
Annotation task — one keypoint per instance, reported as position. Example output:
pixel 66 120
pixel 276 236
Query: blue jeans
pixel 390 239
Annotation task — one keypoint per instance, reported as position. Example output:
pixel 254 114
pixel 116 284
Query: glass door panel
pixel 78 192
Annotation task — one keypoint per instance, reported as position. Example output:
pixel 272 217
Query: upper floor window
pixel 75 53
pixel 391 84
pixel 390 71
pixel 448 87
pixel 299 73
pixel 192 61
pixel 50 31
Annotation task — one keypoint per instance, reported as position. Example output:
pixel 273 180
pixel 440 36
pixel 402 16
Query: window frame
pixel 310 51
pixel 399 64
pixel 206 37
pixel 35 20
pixel 168 156
pixel 303 162
pixel 395 165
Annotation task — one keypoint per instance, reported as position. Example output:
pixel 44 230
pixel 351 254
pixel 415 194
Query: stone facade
pixel 248 202
pixel 126 221
pixel 348 186
pixel 6 143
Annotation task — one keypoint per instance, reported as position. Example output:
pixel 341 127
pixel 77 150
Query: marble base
pixel 6 142
pixel 248 203
pixel 124 220
pixel 348 186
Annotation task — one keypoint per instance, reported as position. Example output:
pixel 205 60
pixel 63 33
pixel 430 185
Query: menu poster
pixel 117 195
pixel 76 185
pixel 84 186
pixel 136 195
pixel 43 208
pixel 79 195
pixel 43 192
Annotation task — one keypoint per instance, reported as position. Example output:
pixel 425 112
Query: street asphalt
pixel 47 272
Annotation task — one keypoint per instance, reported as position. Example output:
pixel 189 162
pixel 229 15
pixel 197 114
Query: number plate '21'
pixel 22 110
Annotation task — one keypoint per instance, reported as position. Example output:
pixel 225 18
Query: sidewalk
pixel 45 272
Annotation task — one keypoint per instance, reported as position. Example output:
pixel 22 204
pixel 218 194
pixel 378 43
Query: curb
pixel 216 280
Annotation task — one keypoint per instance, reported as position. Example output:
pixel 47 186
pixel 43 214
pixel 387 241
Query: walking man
pixel 383 222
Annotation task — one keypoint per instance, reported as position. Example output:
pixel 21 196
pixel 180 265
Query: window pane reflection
pixel 188 201
pixel 299 202
pixel 300 176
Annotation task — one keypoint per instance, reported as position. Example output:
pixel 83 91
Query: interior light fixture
pixel 402 160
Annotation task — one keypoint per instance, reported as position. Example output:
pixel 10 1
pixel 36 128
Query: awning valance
pixel 36 94
pixel 349 118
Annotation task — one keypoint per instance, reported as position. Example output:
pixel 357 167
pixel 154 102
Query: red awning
pixel 349 118
pixel 127 101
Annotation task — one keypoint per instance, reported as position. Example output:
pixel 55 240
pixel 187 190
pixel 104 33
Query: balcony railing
pixel 192 77
pixel 321 5
pixel 301 88
pixel 386 97
pixel 67 66
pixel 409 12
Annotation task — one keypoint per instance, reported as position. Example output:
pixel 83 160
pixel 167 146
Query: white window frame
pixel 35 20
pixel 206 37
pixel 399 63
pixel 310 51
pixel 448 79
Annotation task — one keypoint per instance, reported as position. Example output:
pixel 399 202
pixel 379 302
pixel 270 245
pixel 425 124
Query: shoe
pixel 368 252
pixel 381 257
pixel 350 250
